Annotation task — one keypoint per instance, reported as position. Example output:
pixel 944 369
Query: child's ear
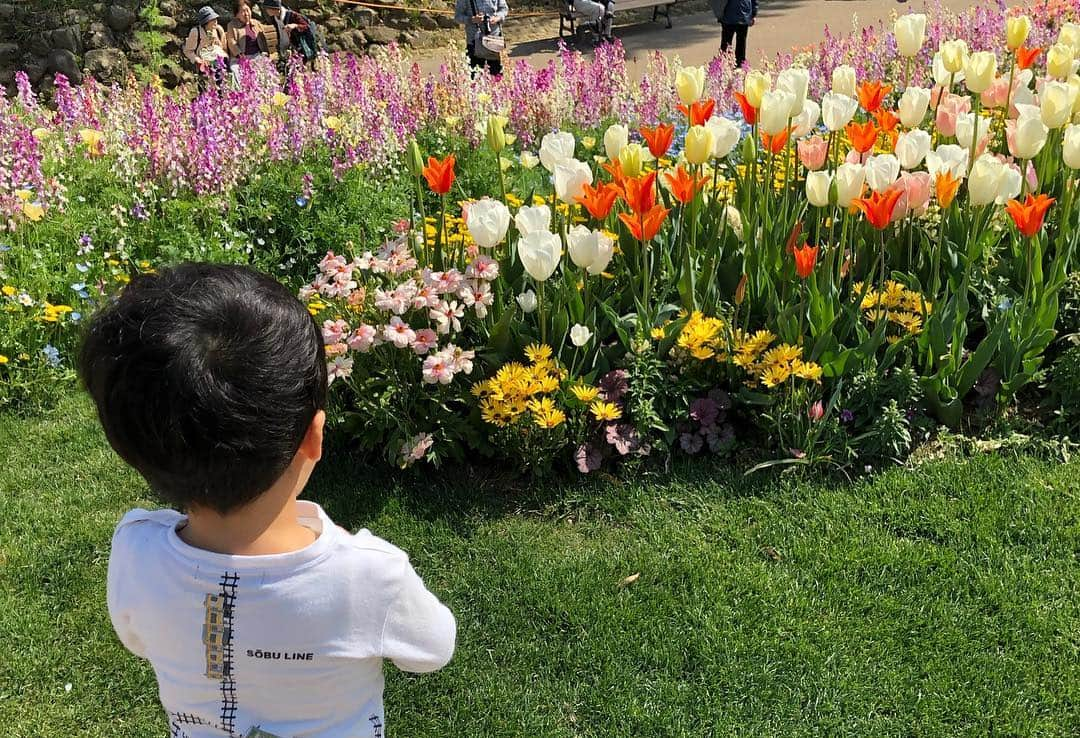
pixel 311 446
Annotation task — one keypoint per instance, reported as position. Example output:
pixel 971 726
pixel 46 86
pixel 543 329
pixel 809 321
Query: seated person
pixel 245 35
pixel 600 14
pixel 205 44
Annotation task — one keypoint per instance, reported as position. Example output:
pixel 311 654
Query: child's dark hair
pixel 206 378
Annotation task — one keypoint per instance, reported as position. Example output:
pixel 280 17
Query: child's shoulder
pixel 140 522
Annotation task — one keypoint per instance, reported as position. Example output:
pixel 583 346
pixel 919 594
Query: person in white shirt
pixel 260 617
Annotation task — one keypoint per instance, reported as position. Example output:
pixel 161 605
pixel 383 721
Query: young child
pixel 260 616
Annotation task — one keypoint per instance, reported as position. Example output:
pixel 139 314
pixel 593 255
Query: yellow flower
pixel 33 211
pixel 537 352
pixel 40 133
pixel 279 99
pixel 495 413
pixel 588 142
pixel 332 122
pixel 550 419
pixel 513 200
pixel 785 353
pixel 585 393
pixel 806 370
pixel 8 290
pixel 3 359
pixel 775 374
pixel 24 195
pixel 548 383
pixel 657 334
pixel 94 140
pixel 605 411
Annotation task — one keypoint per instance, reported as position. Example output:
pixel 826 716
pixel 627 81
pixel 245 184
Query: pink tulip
pixel 854 157
pixel 1032 178
pixel 816 412
pixel 812 152
pixel 995 96
pixel 916 193
pixel 948 111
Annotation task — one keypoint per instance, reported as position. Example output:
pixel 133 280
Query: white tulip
pixel 807 120
pixel 910 33
pixel 1022 94
pixel 690 84
pixel 528 160
pixel 912 147
pixel 985 180
pixel 1070 150
pixel 527 301
pixel 942 74
pixel 590 250
pixel 580 335
pixel 556 147
pixel 837 110
pixel 1056 104
pixel 844 81
pixel 540 253
pixel 913 106
pixel 954 54
pixel 734 221
pixel 965 123
pixel 881 171
pixel 1010 185
pixel 1069 34
pixel 1029 136
pixel 570 178
pixel 755 85
pixel 1059 60
pixel 850 180
pixel 775 112
pixel 615 138
pixel 980 69
pixel 725 135
pixel 817 188
pixel 948 158
pixel 533 219
pixel 795 80
pixel 487 221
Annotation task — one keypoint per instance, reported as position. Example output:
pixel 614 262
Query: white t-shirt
pixel 290 644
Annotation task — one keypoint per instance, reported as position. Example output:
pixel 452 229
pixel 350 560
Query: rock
pixel 359 40
pixel 364 17
pixel 40 44
pixel 35 68
pixel 75 17
pixel 408 38
pixel 7 12
pixel 380 35
pixel 105 64
pixel 305 4
pixel 119 18
pixel 427 22
pixel 335 24
pixel 446 21
pixel 402 23
pixel 69 38
pixel 169 7
pixel 7 77
pixel 172 46
pixel 171 74
pixel 62 61
pixel 335 48
pixel 99 36
pixel 165 23
pixel 8 53
pixel 137 51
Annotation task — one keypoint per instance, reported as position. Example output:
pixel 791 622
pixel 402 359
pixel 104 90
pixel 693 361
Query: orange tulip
pixel 749 112
pixel 599 200
pixel 805 260
pixel 645 226
pixel 614 168
pixel 640 192
pixel 793 237
pixel 1029 216
pixel 659 138
pixel 887 121
pixel 862 136
pixel 440 174
pixel 698 112
pixel 776 143
pixel 684 185
pixel 946 187
pixel 872 94
pixel 879 207
pixel 1025 57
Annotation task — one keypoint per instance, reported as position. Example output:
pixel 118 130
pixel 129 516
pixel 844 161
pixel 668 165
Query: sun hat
pixel 271 3
pixel 205 15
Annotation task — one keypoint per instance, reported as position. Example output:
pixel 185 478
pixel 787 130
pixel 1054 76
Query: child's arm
pixel 419 632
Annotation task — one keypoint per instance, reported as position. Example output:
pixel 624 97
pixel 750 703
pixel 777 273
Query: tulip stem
pixel 440 237
pixel 974 131
pixel 540 311
pixel 423 217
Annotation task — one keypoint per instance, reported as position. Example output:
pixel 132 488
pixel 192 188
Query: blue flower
pixel 80 290
pixel 75 317
pixel 4 247
pixel 51 354
pixel 83 267
pixel 301 201
pixel 1005 304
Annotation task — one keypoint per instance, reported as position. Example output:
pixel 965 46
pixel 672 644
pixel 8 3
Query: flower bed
pixel 822 261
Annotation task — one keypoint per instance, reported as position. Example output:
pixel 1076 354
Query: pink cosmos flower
pixel 335 349
pixel 462 360
pixel 416 448
pixel 424 298
pixel 334 330
pixel 426 340
pixel 438 368
pixel 812 152
pixel 477 296
pixel 483 267
pixel 363 338
pixel 444 283
pixel 341 367
pixel 399 333
pixel 332 263
pixel 448 316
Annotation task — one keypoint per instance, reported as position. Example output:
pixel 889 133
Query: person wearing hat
pixel 292 30
pixel 205 44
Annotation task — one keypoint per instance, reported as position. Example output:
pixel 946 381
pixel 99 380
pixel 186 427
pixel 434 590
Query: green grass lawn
pixel 939 601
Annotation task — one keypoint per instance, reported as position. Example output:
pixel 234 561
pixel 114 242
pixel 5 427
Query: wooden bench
pixel 568 17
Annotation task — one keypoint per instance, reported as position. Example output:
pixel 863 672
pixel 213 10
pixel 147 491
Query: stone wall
pixel 100 38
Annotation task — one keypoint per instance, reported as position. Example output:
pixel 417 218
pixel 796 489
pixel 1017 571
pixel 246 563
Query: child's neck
pixel 267 525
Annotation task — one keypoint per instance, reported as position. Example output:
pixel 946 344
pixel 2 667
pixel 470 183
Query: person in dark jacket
pixel 291 30
pixel 736 19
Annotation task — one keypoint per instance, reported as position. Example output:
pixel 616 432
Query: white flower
pixel 580 335
pixel 398 332
pixel 807 120
pixel 980 69
pixel 953 55
pixel 487 222
pixel 942 74
pixel 881 171
pixel 965 122
pixel 734 221
pixel 795 80
pixel 985 180
pixel 1071 147
pixel 844 81
pixel 555 148
pixel 850 180
pixel 948 158
pixel 1056 107
pixel 590 250
pixel 817 188
pixel 570 177
pixel 528 160
pixel 776 111
pixel 1029 136
pixel 725 135
pixel 615 138
pixel 910 33
pixel 533 219
pixel 913 106
pixel 912 147
pixel 340 367
pixel 837 110
pixel 527 301
pixel 540 252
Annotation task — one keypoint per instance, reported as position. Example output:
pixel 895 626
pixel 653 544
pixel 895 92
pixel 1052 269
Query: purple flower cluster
pixel 618 438
pixel 707 425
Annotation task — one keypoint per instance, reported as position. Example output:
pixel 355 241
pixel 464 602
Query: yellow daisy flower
pixel 605 410
pixel 585 393
pixel 776 374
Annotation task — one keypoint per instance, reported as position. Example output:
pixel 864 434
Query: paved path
pixel 781 25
